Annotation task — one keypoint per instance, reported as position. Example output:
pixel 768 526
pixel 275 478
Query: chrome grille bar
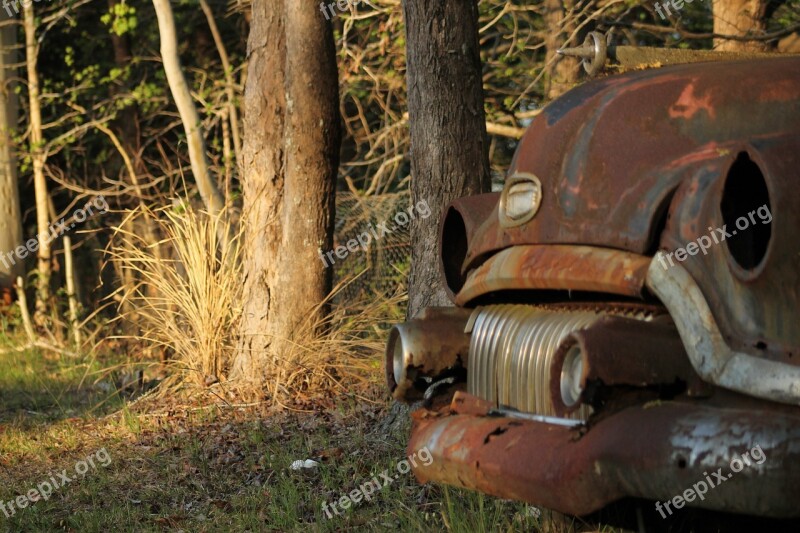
pixel 511 350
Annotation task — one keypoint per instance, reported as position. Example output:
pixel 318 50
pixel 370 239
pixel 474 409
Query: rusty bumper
pixel 655 452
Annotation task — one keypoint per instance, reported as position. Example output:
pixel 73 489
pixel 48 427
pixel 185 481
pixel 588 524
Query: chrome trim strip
pixel 710 355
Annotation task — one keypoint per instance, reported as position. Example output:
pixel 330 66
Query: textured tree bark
pixel 10 218
pixel 449 148
pixel 290 161
pixel 212 198
pixel 740 18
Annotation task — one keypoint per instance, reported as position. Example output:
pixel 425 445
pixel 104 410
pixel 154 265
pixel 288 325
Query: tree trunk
pixel 39 183
pixel 449 149
pixel 290 160
pixel 562 72
pixel 740 18
pixel 10 218
pixel 212 198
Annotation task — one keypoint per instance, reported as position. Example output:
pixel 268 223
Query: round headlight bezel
pixel 520 200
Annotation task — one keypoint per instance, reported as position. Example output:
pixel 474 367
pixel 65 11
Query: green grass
pixel 40 387
pixel 32 385
pixel 223 472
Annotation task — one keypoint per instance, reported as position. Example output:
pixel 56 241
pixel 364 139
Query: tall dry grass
pixel 185 294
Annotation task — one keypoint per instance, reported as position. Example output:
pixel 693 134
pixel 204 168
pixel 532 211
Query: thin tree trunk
pixel 212 198
pixel 72 296
pixel 22 300
pixel 126 124
pixel 449 148
pixel 10 217
pixel 230 86
pixel 290 161
pixel 227 154
pixel 39 183
pixel 562 72
pixel 55 325
pixel 741 18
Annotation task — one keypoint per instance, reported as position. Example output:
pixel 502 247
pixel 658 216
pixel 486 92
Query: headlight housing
pixel 520 200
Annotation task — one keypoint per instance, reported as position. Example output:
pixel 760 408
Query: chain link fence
pixel 386 261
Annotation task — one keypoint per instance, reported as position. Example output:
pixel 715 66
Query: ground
pixel 195 463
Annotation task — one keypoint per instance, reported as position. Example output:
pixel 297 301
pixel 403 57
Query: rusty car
pixel 618 331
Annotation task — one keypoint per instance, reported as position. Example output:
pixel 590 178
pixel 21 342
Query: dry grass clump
pixel 184 291
pixel 183 294
pixel 342 352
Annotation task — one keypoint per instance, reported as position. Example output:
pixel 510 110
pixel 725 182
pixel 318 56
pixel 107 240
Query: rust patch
pixel 689 104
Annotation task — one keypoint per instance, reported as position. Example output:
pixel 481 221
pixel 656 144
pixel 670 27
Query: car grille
pixel 512 348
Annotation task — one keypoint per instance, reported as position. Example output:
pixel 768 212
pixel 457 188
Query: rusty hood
pixel 611 153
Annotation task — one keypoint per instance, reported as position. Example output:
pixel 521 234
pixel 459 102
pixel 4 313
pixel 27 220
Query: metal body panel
pixel 611 152
pixel 756 310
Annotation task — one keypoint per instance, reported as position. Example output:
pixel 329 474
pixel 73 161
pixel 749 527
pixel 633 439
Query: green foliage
pixel 786 15
pixel 121 19
pixel 148 96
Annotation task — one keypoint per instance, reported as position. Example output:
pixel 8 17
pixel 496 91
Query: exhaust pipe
pixel 430 347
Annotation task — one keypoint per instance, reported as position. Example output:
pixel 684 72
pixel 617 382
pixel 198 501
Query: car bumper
pixel 657 451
